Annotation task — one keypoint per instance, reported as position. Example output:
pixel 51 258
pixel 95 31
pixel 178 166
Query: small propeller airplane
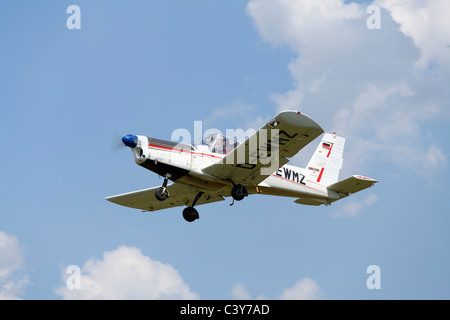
pixel 220 167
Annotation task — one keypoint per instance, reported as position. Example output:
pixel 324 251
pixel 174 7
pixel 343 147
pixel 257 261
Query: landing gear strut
pixel 161 193
pixel 190 214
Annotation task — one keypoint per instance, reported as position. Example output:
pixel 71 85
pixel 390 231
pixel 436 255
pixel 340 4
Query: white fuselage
pixel 185 164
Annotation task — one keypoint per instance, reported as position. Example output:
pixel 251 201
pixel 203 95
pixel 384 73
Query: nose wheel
pixel 161 193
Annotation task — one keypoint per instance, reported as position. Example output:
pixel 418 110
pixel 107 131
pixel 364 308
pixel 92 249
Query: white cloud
pixel 298 22
pixel 305 289
pixel 236 109
pixel 126 273
pixel 291 100
pixel 427 23
pixel 12 278
pixel 239 292
pixel 351 209
pixel 364 84
pixel 434 158
pixel 242 114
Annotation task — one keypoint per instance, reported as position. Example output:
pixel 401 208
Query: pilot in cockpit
pixel 210 142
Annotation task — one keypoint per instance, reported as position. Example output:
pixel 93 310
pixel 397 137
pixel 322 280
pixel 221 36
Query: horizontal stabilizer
pixel 352 184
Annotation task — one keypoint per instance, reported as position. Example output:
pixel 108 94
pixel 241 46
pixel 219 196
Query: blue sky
pixel 150 67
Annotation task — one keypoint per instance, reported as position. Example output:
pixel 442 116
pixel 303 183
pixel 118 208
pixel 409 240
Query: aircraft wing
pixel 258 157
pixel 180 195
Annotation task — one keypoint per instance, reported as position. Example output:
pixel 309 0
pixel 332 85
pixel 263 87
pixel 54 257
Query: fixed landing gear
pixel 161 193
pixel 239 192
pixel 190 214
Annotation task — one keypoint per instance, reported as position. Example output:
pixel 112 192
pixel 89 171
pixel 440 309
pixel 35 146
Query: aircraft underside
pixel 289 185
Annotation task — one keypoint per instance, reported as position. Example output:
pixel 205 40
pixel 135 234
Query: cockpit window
pixel 220 144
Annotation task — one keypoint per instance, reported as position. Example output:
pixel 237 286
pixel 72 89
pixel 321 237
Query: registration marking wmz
pixel 291 175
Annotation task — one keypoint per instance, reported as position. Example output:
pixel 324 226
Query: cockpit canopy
pixel 217 143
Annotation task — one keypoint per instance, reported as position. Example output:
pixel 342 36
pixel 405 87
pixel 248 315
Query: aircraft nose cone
pixel 130 140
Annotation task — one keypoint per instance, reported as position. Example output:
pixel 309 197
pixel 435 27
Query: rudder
pixel 326 162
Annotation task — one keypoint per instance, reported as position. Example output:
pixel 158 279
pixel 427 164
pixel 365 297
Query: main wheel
pixel 239 192
pixel 190 214
pixel 161 194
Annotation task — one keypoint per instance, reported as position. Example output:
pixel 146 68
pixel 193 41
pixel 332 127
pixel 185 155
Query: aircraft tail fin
pixel 326 162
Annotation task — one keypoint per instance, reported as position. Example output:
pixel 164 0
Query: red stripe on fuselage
pixel 197 153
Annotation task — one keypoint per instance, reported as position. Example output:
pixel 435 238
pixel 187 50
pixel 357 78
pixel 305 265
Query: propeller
pixel 116 143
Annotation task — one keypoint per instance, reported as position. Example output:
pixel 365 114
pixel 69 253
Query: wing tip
pixel 298 119
pixel 360 177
